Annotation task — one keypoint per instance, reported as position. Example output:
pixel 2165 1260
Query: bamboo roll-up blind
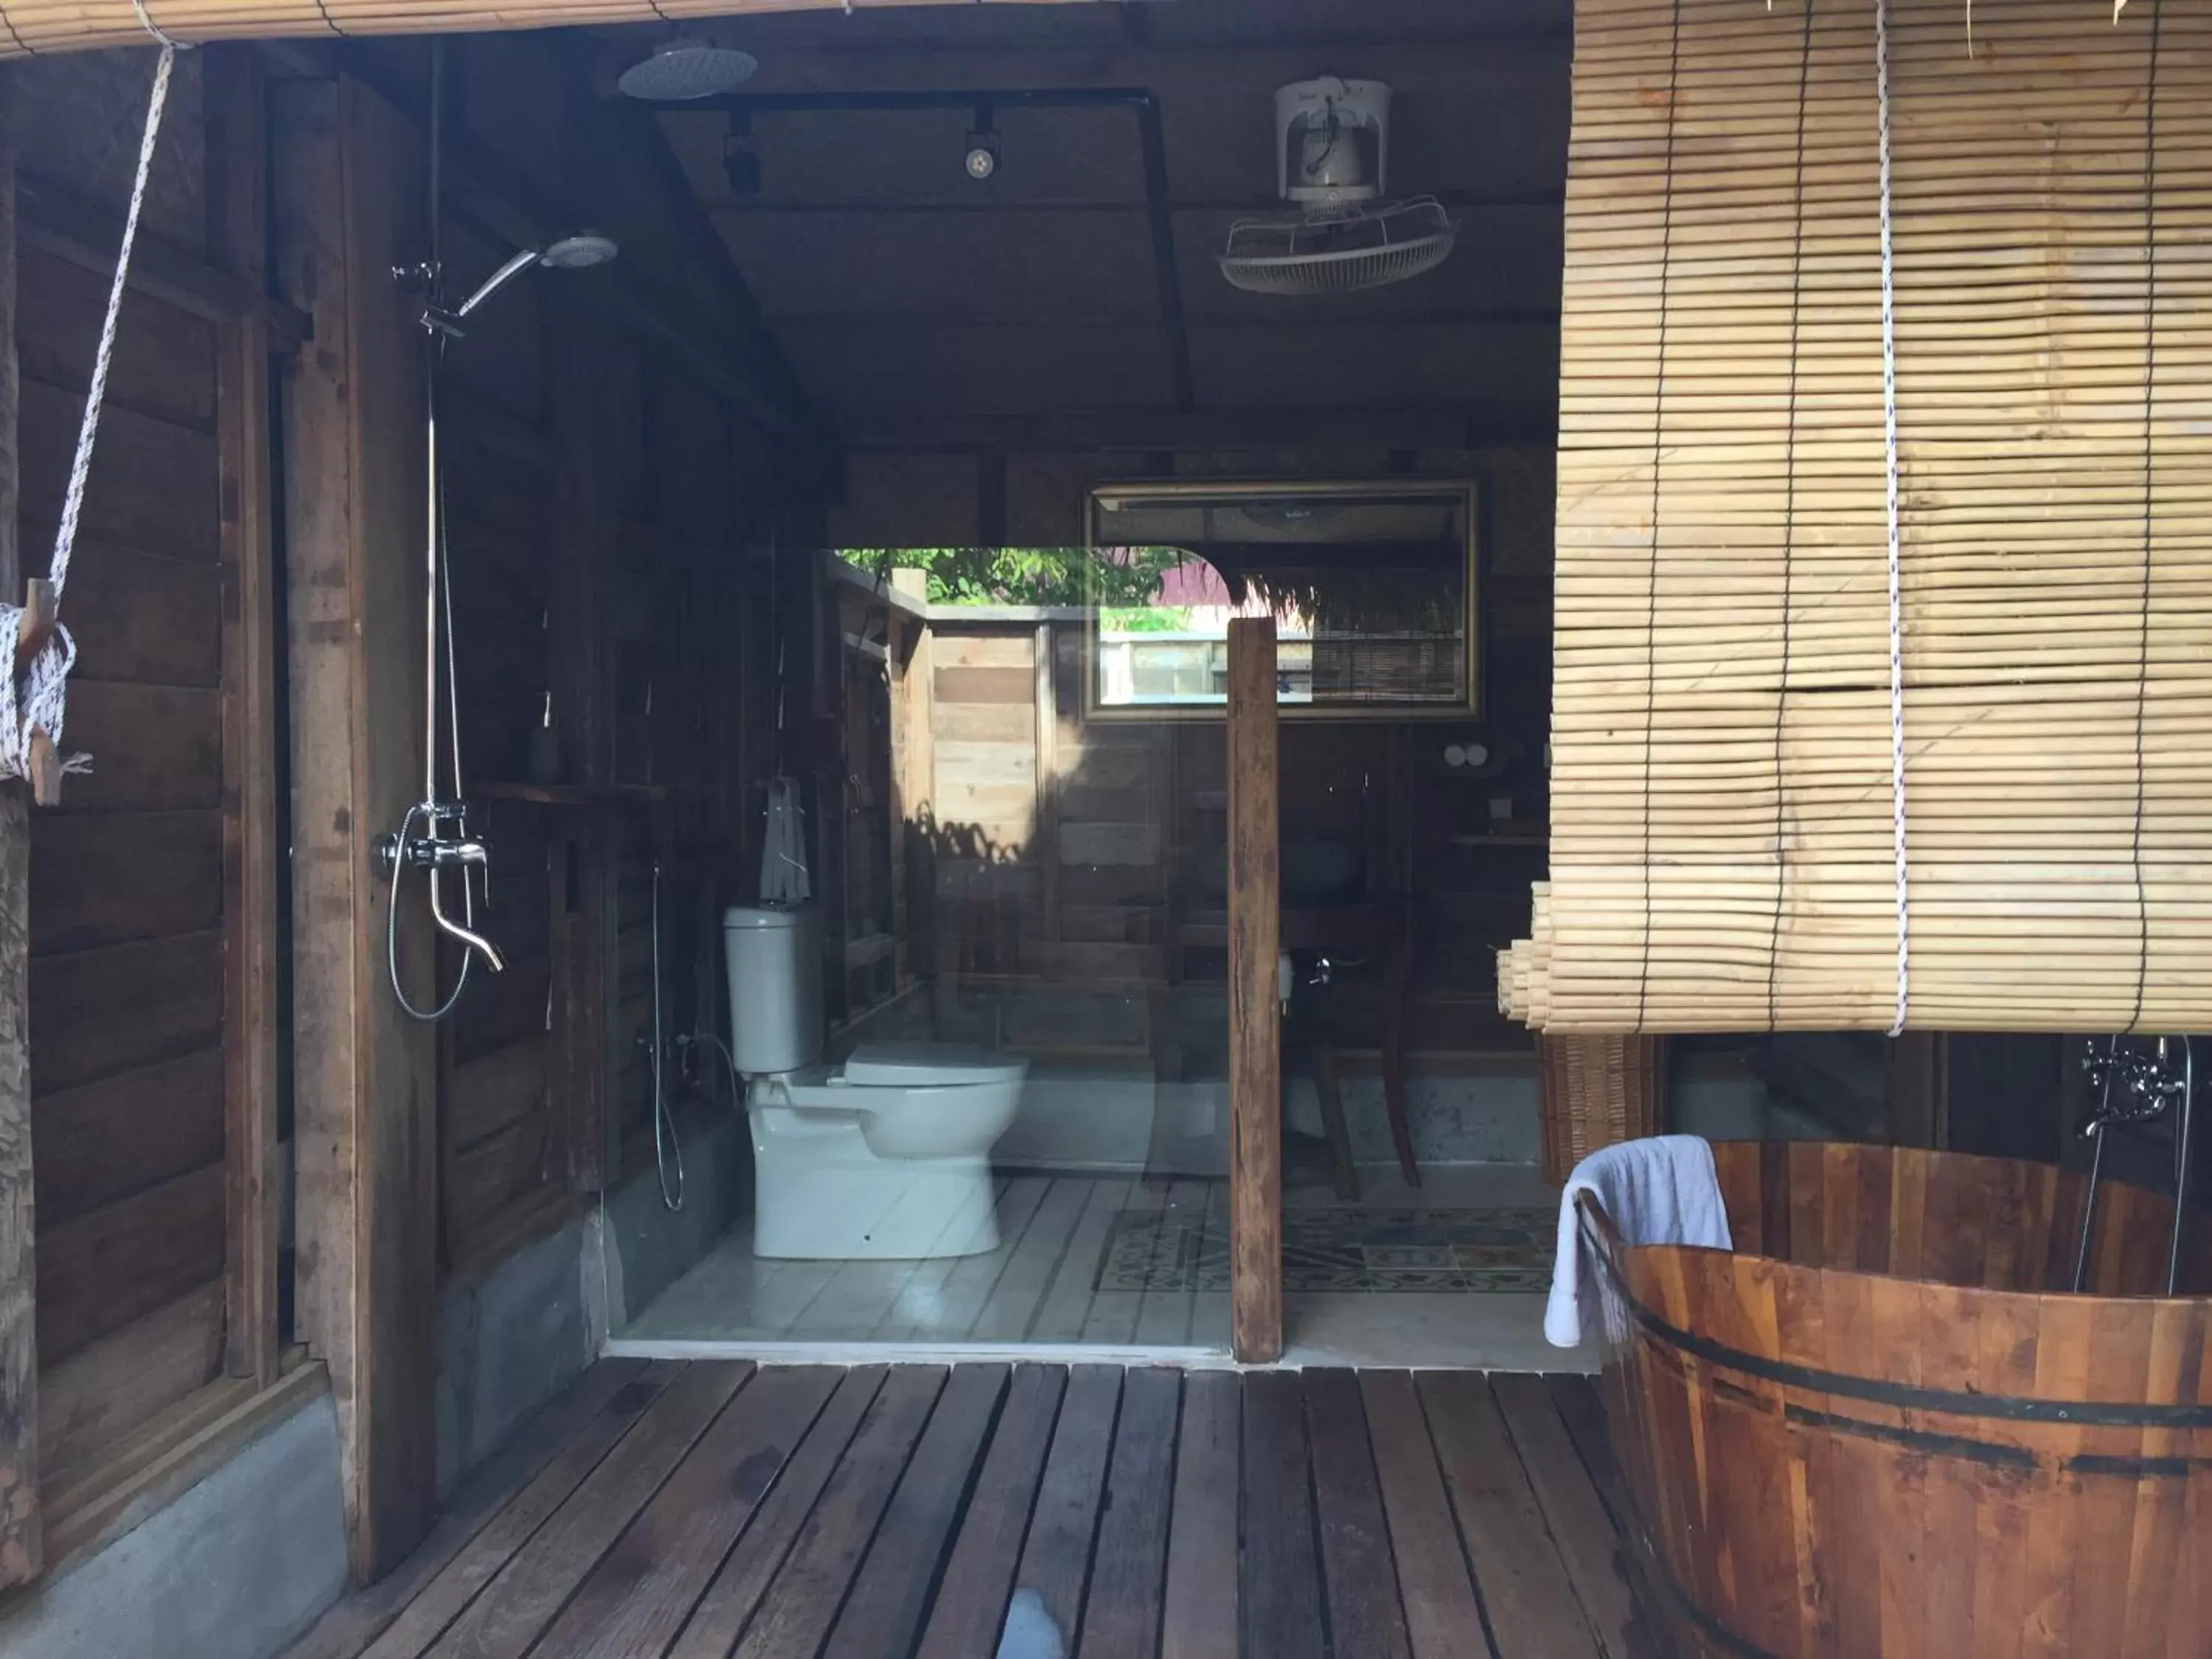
pixel 30 27
pixel 1722 839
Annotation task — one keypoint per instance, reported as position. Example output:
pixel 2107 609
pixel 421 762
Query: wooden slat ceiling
pixel 28 28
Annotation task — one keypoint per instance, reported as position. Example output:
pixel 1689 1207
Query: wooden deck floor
pixel 1029 1512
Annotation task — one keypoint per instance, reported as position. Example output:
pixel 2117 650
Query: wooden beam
pixel 238 180
pixel 40 616
pixel 1440 427
pixel 21 1542
pixel 813 206
pixel 55 221
pixel 348 200
pixel 1255 1090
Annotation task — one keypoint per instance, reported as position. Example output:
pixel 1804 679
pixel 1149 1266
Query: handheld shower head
pixel 578 253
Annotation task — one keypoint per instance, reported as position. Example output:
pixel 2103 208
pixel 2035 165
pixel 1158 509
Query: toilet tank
pixel 775 953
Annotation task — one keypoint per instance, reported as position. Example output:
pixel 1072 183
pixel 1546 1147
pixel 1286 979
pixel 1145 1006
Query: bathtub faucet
pixel 2135 1084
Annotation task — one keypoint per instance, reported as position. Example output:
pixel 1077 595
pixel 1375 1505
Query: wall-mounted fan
pixel 1332 160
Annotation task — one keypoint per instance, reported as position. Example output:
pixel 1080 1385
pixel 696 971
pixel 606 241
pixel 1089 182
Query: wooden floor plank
pixel 970 1609
pixel 859 1296
pixel 1578 1521
pixel 488 1552
pixel 1198 1619
pixel 1209 1309
pixel 1164 1320
pixel 729 1603
pixel 353 1623
pixel 631 1605
pixel 1066 1304
pixel 1583 1413
pixel 1443 1618
pixel 1282 1573
pixel 884 1611
pixel 1055 1565
pixel 802 1601
pixel 704 1512
pixel 1365 1616
pixel 1122 1615
pixel 1029 1272
pixel 530 1589
pixel 1526 1583
pixel 1110 1317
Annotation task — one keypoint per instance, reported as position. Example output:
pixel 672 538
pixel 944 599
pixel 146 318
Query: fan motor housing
pixel 1332 141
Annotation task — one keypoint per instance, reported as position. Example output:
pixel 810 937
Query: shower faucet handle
pixel 431 853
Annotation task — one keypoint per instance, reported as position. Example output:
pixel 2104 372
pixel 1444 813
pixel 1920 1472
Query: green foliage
pixel 1027 575
pixel 1145 619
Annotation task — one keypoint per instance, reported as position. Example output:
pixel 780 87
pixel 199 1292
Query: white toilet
pixel 887 1156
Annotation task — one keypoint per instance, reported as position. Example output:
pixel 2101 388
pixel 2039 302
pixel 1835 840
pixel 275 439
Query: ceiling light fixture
pixel 981 162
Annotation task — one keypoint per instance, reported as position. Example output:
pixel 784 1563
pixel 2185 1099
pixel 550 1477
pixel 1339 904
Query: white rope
pixel 1896 579
pixel 40 703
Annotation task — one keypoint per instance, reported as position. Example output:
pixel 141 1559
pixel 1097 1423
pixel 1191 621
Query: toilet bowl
pixel 886 1156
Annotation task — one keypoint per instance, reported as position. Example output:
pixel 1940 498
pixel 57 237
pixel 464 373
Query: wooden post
pixel 21 1545
pixel 1045 838
pixel 252 862
pixel 347 201
pixel 1256 1091
pixel 914 722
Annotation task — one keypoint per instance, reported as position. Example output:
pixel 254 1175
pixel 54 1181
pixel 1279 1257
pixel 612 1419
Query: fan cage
pixel 1338 252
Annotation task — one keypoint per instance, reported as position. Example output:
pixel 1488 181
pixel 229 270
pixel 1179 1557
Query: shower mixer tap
pixel 2148 1084
pixel 442 846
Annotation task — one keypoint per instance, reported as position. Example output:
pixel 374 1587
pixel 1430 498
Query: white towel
pixel 1659 1190
pixel 784 878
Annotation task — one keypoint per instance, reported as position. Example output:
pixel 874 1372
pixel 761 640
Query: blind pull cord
pixel 40 703
pixel 1896 577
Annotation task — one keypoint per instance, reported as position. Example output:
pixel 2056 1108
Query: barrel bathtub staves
pixel 1882 1429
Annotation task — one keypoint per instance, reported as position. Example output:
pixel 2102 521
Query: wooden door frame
pixel 1255 1090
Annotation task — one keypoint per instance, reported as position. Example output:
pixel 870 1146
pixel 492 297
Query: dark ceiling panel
pixel 900 288
pixel 1355 365
pixel 999 371
pixel 1090 268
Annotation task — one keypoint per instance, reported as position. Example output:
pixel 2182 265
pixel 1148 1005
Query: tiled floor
pixel 695 1511
pixel 1065 1277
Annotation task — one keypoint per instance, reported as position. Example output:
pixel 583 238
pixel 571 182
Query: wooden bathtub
pixel 1881 1429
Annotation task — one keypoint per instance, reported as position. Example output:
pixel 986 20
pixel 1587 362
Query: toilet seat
pixel 928 1066
pixel 905 1076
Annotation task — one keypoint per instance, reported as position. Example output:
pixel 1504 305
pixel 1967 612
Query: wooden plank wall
pixel 128 882
pixel 695 536
pixel 503 1150
pixel 668 624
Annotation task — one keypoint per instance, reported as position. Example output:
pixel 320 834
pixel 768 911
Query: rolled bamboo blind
pixel 30 27
pixel 1720 793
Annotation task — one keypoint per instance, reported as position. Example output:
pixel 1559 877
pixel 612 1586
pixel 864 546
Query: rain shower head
pixel 683 68
pixel 578 253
